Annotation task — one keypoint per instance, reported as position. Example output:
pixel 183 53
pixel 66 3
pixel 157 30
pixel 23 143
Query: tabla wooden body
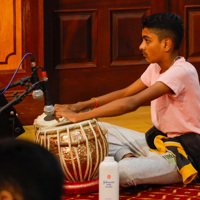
pixel 80 147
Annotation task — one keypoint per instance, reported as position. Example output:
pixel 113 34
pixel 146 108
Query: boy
pixel 172 86
pixel 28 172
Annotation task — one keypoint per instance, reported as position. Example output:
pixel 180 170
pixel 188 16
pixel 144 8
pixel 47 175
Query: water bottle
pixel 109 179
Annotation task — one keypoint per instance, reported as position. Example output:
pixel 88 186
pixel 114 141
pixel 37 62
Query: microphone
pixel 37 94
pixel 48 108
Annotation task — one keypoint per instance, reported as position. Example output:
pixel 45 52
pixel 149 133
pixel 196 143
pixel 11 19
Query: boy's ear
pixel 168 44
pixel 5 195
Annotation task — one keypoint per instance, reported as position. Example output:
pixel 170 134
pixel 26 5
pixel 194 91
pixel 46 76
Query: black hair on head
pixel 166 25
pixel 31 169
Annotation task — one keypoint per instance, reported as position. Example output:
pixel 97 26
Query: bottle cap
pixel 109 158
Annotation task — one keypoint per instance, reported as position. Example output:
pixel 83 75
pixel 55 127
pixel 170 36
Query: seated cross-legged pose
pixel 170 151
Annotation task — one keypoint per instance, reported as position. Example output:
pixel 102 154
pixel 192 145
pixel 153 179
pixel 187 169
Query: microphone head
pixel 37 94
pixel 49 110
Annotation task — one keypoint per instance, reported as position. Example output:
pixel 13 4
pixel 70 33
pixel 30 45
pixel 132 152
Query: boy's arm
pixel 134 88
pixel 119 106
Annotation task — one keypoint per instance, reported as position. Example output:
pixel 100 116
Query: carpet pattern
pixel 150 192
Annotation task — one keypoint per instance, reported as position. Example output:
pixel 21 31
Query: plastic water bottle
pixel 109 179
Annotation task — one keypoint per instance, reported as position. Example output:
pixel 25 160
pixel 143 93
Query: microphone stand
pixel 21 82
pixel 18 98
pixel 32 83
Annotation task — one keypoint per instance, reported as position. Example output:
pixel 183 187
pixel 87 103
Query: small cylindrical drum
pixel 80 147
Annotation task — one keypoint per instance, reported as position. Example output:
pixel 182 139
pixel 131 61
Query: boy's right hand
pixel 63 107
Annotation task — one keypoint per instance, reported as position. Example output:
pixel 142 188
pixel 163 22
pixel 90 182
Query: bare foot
pixel 128 155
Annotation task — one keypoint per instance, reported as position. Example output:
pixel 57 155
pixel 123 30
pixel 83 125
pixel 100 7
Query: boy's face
pixel 151 47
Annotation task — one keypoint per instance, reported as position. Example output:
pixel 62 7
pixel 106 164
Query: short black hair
pixel 166 25
pixel 30 169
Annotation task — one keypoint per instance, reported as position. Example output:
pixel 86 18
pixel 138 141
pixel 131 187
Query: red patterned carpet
pixel 150 192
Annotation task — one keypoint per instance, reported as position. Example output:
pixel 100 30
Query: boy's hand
pixel 65 111
pixel 62 107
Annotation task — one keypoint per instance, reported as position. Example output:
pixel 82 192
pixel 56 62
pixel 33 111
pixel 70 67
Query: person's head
pixel 28 171
pixel 166 27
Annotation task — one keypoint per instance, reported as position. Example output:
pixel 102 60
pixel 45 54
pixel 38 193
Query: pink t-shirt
pixel 179 113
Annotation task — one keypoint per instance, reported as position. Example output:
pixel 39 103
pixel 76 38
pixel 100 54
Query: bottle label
pixel 108 184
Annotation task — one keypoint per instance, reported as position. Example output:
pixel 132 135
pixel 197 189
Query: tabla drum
pixel 80 147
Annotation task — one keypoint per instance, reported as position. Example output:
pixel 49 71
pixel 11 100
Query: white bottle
pixel 109 179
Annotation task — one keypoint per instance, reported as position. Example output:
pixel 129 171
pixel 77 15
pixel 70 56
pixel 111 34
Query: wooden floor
pixel 140 120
